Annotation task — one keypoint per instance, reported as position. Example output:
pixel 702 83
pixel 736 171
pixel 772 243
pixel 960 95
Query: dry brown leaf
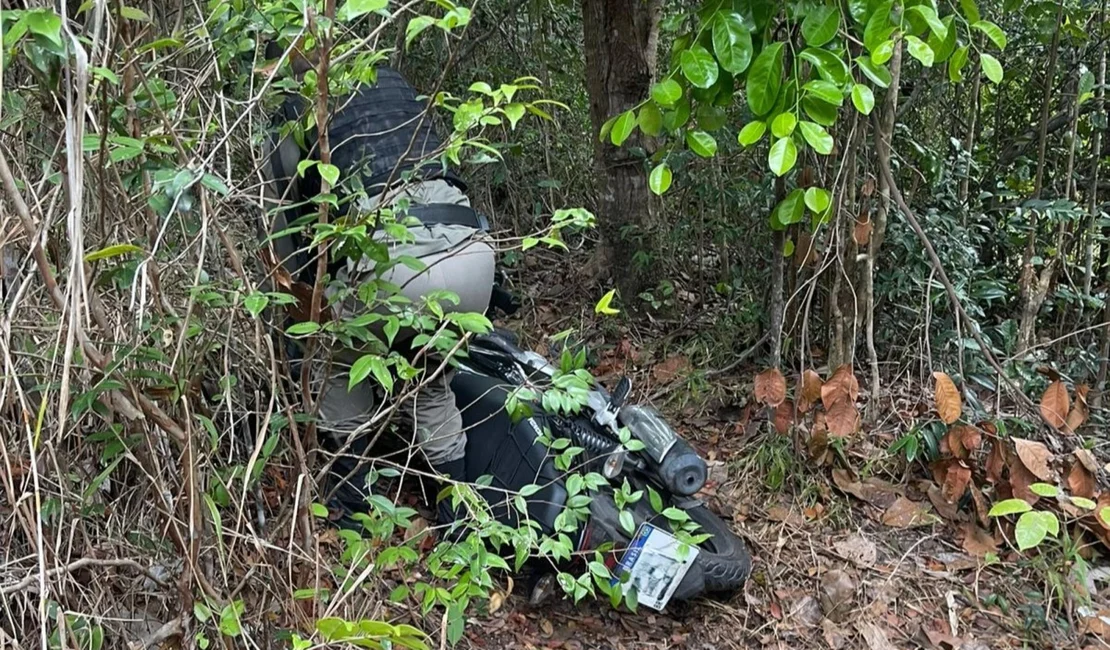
pixel 940 468
pixel 842 383
pixel 838 591
pixel 949 511
pixel 875 491
pixel 1080 481
pixel 1079 410
pixel 805 253
pixel 1088 459
pixel 981 510
pixel 843 418
pixel 862 232
pixel 818 444
pixel 784 417
pixel 1035 456
pixel 1020 480
pixel 809 390
pixel 836 637
pixel 951 443
pixel 956 482
pixel 770 387
pixel 671 369
pixel 995 462
pixel 969 436
pixel 874 635
pixel 779 513
pixel 904 513
pixel 868 187
pixel 977 541
pixel 948 401
pixel 495 602
pixel 1055 404
pixel 858 549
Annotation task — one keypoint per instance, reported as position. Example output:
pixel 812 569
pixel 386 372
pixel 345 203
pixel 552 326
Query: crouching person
pixel 384 134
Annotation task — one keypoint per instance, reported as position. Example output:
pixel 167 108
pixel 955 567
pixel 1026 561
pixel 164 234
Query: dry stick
pixel 75 566
pixel 896 194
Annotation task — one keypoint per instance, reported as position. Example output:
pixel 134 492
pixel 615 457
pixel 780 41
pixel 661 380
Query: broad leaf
pixel 943 48
pixel 821 24
pixel 948 401
pixel 1009 507
pixel 829 66
pixel 361 369
pixel 356 8
pixel 929 15
pixel 956 65
pixel 330 173
pixel 751 133
pixel 863 99
pixel 732 42
pixel 45 23
pixel 1044 490
pixel 817 200
pixel 884 52
pixel 920 50
pixel 782 156
pixel 970 10
pixel 300 329
pixel 765 79
pixel 1032 527
pixel 820 111
pixel 622 128
pixel 659 181
pixel 825 91
pixel 878 27
pixel 666 92
pixel 699 67
pixel 877 73
pixel 817 137
pixel 650 120
pixel 991 67
pixel 783 125
pixel 701 143
pixel 791 210
pixel 993 32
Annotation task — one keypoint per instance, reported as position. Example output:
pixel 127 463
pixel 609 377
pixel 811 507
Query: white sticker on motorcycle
pixel 656 563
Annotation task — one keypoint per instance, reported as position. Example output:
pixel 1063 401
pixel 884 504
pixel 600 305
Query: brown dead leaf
pixel 956 482
pixel 770 387
pixel 838 591
pixel 809 390
pixel 875 491
pixel 995 462
pixel 546 627
pixel 1088 459
pixel 970 437
pixel 981 510
pixel 781 514
pixel 904 513
pixel 1020 480
pixel 868 187
pixel 818 443
pixel 874 635
pixel 949 511
pixel 843 419
pixel 671 369
pixel 1055 405
pixel 784 417
pixel 1096 623
pixel 951 443
pixel 1035 456
pixel 1080 481
pixel 940 468
pixel 1079 411
pixel 948 401
pixel 858 549
pixel 842 383
pixel 805 253
pixel 495 602
pixel 836 637
pixel 977 541
pixel 862 232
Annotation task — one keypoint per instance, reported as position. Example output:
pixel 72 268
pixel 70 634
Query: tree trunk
pixel 884 132
pixel 1029 282
pixel 969 143
pixel 621 38
pixel 778 269
pixel 843 301
pixel 1092 198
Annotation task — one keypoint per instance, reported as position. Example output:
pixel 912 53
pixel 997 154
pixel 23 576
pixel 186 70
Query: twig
pixel 76 566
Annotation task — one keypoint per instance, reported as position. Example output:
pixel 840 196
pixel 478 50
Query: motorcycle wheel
pixel 723 557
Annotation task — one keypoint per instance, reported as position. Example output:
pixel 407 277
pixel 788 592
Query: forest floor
pixel 849 552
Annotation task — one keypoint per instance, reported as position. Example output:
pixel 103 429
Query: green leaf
pixel 304 166
pixel 330 173
pixel 1009 507
pixel 970 10
pixel 319 510
pixel 360 370
pixel 659 181
pixel 751 133
pixel 1104 515
pixel 416 26
pixel 105 73
pixel 993 32
pixel 821 24
pixel 878 27
pixel 782 156
pixel 115 250
pixel 825 91
pixel 783 125
pixel 651 120
pixel 920 50
pixel 622 128
pixel 255 303
pixel 863 99
pixel 956 64
pixel 830 66
pixel 765 79
pixel 817 137
pixel 1033 527
pixel 817 199
pixel 1084 503
pixel 701 143
pixel 45 23
pixel 603 305
pixel 991 67
pixel 789 211
pixel 883 53
pixel 131 13
pixel 514 112
pixel 301 329
pixel 356 8
pixel 471 322
pixel 732 42
pixel 216 184
pixel 666 92
pixel 820 111
pixel 929 15
pixel 699 67
pixel 943 48
pixel 877 73
pixel 1044 490
pixel 627 522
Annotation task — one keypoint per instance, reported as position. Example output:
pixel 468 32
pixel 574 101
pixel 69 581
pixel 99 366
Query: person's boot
pixel 446 514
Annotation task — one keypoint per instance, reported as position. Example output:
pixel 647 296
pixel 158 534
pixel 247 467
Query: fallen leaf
pixel 875 491
pixel 842 383
pixel 1095 623
pixel 995 462
pixel 806 611
pixel 784 417
pixel 1079 411
pixel 770 387
pixel 970 438
pixel 874 635
pixel 1035 456
pixel 956 482
pixel 546 627
pixel 978 541
pixel 1080 481
pixel 838 590
pixel 779 513
pixel 776 610
pixel 938 634
pixel 843 419
pixel 1020 480
pixel 809 390
pixel 862 232
pixel 1088 459
pixel 835 636
pixel 1055 404
pixel 818 444
pixel 948 402
pixel 858 549
pixel 949 511
pixel 495 602
pixel 904 513
pixel 671 369
pixel 951 443
pixel 981 510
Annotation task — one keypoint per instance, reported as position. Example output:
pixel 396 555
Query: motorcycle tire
pixel 723 557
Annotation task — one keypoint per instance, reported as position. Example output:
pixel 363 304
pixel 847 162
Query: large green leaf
pixel 783 124
pixel 666 92
pixel 820 111
pixel 991 67
pixel 818 199
pixel 765 79
pixel 929 16
pixel 45 23
pixel 699 67
pixel 825 91
pixel 659 181
pixel 993 32
pixel 830 66
pixel 863 99
pixel 970 10
pixel 1033 527
pixel 701 143
pixel 942 49
pixel 878 27
pixel 751 133
pixel 1009 507
pixel 920 50
pixel 883 52
pixel 622 128
pixel 877 73
pixel 791 210
pixel 732 42
pixel 817 137
pixel 821 24
pixel 710 117
pixel 956 65
pixel 356 8
pixel 782 156
pixel 650 119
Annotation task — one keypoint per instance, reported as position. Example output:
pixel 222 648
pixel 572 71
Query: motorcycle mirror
pixel 620 393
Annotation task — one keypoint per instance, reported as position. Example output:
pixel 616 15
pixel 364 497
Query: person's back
pixel 383 134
